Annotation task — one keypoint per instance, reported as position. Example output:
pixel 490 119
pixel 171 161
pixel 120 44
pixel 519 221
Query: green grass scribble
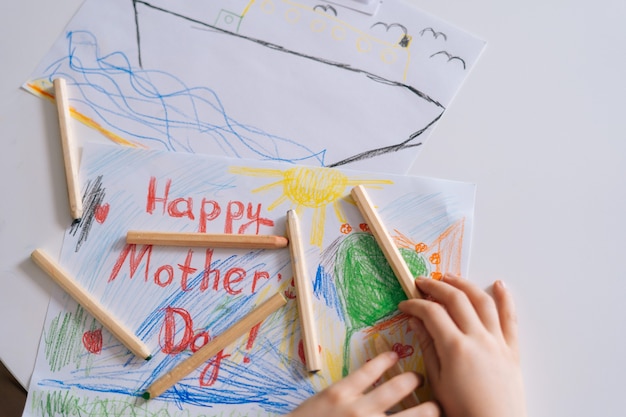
pixel 64 339
pixel 67 404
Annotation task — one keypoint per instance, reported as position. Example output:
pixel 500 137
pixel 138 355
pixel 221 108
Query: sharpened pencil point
pixel 149 357
pixel 146 395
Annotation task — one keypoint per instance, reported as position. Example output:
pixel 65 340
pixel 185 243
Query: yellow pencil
pixel 68 145
pixel 391 252
pixel 304 295
pixel 82 297
pixel 206 240
pixel 209 350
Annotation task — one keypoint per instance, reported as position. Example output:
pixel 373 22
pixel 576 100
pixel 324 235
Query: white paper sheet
pixel 82 370
pixel 302 82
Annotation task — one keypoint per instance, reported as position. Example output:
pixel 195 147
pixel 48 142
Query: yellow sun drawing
pixel 309 188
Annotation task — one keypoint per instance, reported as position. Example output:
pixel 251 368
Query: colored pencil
pixel 211 349
pixel 384 240
pixel 304 295
pixel 82 297
pixel 68 145
pixel 206 240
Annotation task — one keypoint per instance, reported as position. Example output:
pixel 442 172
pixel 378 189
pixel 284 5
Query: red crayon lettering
pixel 207 216
pixel 235 211
pixel 255 219
pixel 257 276
pixel 239 274
pixel 233 280
pixel 205 339
pixel 153 199
pixel 186 269
pixel 170 275
pixel 174 211
pixel 208 271
pixel 233 215
pixel 214 367
pixel 134 260
pixel 167 334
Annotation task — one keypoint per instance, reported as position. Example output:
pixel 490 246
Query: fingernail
pixel 420 280
pixel 500 283
pixel 450 275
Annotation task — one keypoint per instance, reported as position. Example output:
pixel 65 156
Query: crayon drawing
pixel 275 80
pixel 177 299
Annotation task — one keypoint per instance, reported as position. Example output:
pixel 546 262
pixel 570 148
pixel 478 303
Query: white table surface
pixel 539 126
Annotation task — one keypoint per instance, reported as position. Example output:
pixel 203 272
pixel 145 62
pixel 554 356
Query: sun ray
pixel 317 231
pixel 311 188
pixel 280 200
pixel 368 183
pixel 257 172
pixel 268 186
pixel 338 211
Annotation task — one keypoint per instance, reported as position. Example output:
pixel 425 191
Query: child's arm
pixel 469 343
pixel 346 398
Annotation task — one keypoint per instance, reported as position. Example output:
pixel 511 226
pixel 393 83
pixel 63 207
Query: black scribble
pixel 137 34
pixel 436 35
pixel 405 143
pixel 388 26
pixel 450 57
pixel 406 39
pixel 404 42
pixel 326 8
pixel 92 200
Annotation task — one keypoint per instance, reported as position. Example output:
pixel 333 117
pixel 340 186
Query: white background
pixel 539 126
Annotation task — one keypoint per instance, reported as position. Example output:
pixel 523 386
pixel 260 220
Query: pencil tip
pixel 146 395
pixel 149 357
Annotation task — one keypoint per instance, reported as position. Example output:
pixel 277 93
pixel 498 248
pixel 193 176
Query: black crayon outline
pixel 368 154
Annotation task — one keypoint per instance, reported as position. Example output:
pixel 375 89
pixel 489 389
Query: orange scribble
pixel 345 228
pixel 446 250
pixel 435 258
pixel 87 121
pixel 421 247
pixel 386 324
pixel 364 227
pixel 436 275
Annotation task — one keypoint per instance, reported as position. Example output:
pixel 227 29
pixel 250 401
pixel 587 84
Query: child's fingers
pixel 436 320
pixel 388 394
pixel 483 303
pixel 427 409
pixel 456 303
pixel 363 378
pixel 506 312
pixel 427 346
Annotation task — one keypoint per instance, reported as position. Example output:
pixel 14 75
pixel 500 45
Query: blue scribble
pixel 158 109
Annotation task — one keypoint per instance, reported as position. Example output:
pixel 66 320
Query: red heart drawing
pixel 92 340
pixel 101 212
pixel 403 351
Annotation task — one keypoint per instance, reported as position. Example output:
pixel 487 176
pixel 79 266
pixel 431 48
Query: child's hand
pixel 346 398
pixel 469 343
